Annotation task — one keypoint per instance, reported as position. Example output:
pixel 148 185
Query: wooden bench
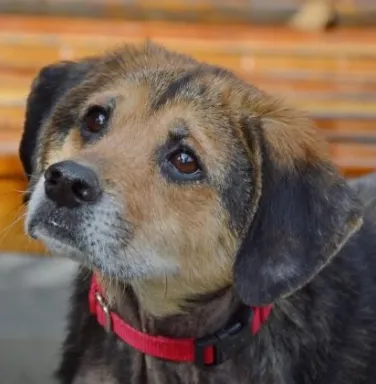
pixel 331 76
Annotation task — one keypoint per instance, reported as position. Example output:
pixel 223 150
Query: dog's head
pixel 151 167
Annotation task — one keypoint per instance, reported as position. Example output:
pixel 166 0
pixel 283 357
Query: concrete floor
pixel 34 296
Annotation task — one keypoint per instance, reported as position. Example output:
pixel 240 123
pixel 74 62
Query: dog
pixel 217 241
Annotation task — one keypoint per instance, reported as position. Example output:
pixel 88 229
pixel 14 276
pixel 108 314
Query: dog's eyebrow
pixel 173 89
pixel 182 83
pixel 179 133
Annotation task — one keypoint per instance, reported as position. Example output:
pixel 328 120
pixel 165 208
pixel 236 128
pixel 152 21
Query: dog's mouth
pixel 87 229
pixel 58 228
pixel 79 235
pixel 53 222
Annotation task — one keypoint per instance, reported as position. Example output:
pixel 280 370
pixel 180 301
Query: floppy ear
pixel 47 88
pixel 305 214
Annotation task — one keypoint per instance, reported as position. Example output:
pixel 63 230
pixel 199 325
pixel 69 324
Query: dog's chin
pixel 60 243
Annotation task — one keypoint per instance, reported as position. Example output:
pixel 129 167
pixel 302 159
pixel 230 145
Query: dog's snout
pixel 70 184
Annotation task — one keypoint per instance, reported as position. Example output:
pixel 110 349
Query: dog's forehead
pixel 162 99
pixel 157 87
pixel 158 74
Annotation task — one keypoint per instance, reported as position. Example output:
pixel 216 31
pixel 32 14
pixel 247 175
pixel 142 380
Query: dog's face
pixel 151 167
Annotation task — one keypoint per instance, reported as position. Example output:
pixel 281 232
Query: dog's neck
pixel 194 317
pixel 170 295
pixel 204 316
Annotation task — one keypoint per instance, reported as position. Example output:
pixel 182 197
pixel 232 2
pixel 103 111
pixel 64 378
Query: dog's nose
pixel 70 184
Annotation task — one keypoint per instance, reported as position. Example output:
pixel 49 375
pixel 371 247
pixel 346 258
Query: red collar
pixel 207 351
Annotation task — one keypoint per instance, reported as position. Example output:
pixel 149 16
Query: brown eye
pixel 95 120
pixel 185 162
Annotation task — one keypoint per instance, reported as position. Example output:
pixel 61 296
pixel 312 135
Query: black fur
pixel 236 194
pixel 173 89
pixel 186 85
pixel 298 227
pixel 50 85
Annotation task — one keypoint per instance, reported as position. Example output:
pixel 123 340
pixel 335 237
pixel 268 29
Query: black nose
pixel 70 184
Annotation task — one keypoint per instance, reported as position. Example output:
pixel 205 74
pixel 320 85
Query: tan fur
pixel 155 208
pixel 57 151
pixel 291 135
pixel 202 250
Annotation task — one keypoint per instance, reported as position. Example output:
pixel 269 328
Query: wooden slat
pixel 255 11
pixel 342 40
pixel 347 126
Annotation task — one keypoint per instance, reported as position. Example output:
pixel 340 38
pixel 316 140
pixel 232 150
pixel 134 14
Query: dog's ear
pixel 47 88
pixel 305 211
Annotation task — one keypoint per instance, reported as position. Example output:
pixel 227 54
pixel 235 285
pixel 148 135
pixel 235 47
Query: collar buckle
pixel 226 343
pixel 106 310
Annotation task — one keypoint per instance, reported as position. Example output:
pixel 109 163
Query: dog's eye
pixel 185 162
pixel 95 120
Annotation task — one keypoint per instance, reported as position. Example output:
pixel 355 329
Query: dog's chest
pixel 139 370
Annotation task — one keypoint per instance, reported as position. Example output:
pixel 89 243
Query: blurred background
pixel 318 54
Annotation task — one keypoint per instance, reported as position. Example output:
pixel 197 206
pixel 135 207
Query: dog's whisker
pixel 4 232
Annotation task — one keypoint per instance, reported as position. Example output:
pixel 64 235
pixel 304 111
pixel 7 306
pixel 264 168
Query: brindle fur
pixel 273 222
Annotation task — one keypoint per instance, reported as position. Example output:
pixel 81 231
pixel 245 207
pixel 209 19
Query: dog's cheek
pixel 210 257
pixel 190 229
